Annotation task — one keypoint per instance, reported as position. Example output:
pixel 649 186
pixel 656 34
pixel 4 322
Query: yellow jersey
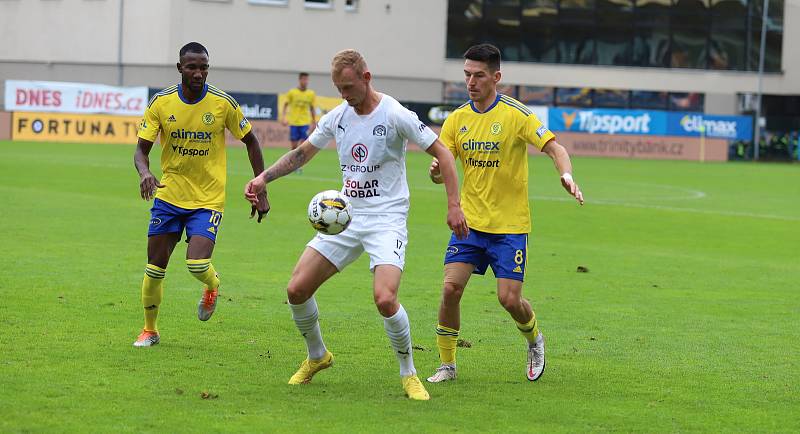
pixel 299 108
pixel 193 165
pixel 493 149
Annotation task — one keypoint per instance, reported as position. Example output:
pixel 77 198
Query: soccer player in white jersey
pixel 371 131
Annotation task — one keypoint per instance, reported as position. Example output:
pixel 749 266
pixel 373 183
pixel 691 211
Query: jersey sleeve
pixel 150 124
pixel 324 133
pixel 535 133
pixel 410 127
pixel 236 122
pixel 448 134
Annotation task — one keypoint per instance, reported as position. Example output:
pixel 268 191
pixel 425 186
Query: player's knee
pixel 452 292
pixel 295 292
pixel 509 300
pixel 386 302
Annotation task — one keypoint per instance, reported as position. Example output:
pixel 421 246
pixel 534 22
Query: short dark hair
pixel 486 53
pixel 302 74
pixel 193 47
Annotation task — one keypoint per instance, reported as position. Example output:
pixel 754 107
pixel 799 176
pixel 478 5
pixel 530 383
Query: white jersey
pixel 372 153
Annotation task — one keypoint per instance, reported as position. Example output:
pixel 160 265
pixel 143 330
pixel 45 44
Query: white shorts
pixel 382 236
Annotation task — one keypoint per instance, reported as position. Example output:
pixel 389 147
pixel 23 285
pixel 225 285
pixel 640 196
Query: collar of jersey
pixel 202 95
pixel 475 109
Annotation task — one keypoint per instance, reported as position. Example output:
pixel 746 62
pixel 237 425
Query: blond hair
pixel 349 58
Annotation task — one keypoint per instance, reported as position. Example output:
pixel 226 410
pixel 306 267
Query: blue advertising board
pixel 650 122
pixel 722 127
pixel 605 121
pixel 254 105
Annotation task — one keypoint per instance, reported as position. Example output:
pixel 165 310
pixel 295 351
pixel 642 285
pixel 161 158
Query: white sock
pixel 306 318
pixel 399 331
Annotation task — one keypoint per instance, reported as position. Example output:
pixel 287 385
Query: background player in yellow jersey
pixel 490 134
pixel 191 118
pixel 298 111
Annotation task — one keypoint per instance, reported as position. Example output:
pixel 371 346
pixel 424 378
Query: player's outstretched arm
pixel 563 164
pixel 287 164
pixel 141 159
pixel 446 166
pixel 257 162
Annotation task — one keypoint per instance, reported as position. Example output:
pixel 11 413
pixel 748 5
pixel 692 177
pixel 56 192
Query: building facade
pixel 691 55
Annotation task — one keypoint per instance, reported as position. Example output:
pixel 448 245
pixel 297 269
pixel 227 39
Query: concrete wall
pixel 261 48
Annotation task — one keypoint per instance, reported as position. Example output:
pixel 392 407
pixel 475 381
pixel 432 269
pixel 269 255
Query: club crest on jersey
pixel 171 118
pixel 463 129
pixel 496 128
pixel 359 152
pixel 379 131
pixel 208 118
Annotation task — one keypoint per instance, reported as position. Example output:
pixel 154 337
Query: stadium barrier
pixel 5 126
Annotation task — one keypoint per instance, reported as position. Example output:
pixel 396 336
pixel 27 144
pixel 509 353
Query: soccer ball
pixel 330 212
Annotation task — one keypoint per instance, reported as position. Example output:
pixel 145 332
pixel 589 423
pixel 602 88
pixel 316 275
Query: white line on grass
pixel 691 194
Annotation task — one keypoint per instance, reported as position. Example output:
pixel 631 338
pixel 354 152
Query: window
pixel 611 98
pixel 691 102
pixel 649 100
pixel 455 93
pixel 464 19
pixel 351 5
pixel 319 4
pixel 574 96
pixel 269 2
pixel 536 95
pixel 698 34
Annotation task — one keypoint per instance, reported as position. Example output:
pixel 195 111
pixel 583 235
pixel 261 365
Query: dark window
pixel 455 92
pixel 536 95
pixel 507 89
pixel 692 102
pixel 649 100
pixel 464 26
pixel 699 34
pixel 611 98
pixel 574 96
pixel 502 26
pixel 614 35
pixel 539 24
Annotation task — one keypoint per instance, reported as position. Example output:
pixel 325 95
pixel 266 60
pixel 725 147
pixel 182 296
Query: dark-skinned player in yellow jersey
pixel 191 118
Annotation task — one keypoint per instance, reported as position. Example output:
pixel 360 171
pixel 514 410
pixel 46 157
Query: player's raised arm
pixel 141 159
pixel 563 164
pixel 446 166
pixel 287 164
pixel 257 162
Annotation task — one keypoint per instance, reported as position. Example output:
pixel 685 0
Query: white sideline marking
pixel 691 194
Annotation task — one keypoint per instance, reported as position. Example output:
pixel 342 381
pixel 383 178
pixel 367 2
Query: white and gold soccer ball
pixel 330 212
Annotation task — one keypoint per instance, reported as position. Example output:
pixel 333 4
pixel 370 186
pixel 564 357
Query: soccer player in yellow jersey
pixel 298 111
pixel 490 134
pixel 191 118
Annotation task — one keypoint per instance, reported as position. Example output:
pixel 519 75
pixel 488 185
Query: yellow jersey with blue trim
pixel 299 108
pixel 193 163
pixel 493 149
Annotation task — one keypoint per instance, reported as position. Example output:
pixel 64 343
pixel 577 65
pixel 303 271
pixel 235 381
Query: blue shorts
pixel 506 253
pixel 166 218
pixel 299 132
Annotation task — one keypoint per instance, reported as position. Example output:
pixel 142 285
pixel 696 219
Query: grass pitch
pixel 687 319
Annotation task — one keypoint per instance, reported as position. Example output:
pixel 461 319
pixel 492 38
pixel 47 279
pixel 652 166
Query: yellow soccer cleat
pixel 414 388
pixel 310 367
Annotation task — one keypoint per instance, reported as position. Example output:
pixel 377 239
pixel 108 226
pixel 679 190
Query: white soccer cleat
pixel 536 358
pixel 443 373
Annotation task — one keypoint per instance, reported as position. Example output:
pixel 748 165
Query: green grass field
pixel 688 319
